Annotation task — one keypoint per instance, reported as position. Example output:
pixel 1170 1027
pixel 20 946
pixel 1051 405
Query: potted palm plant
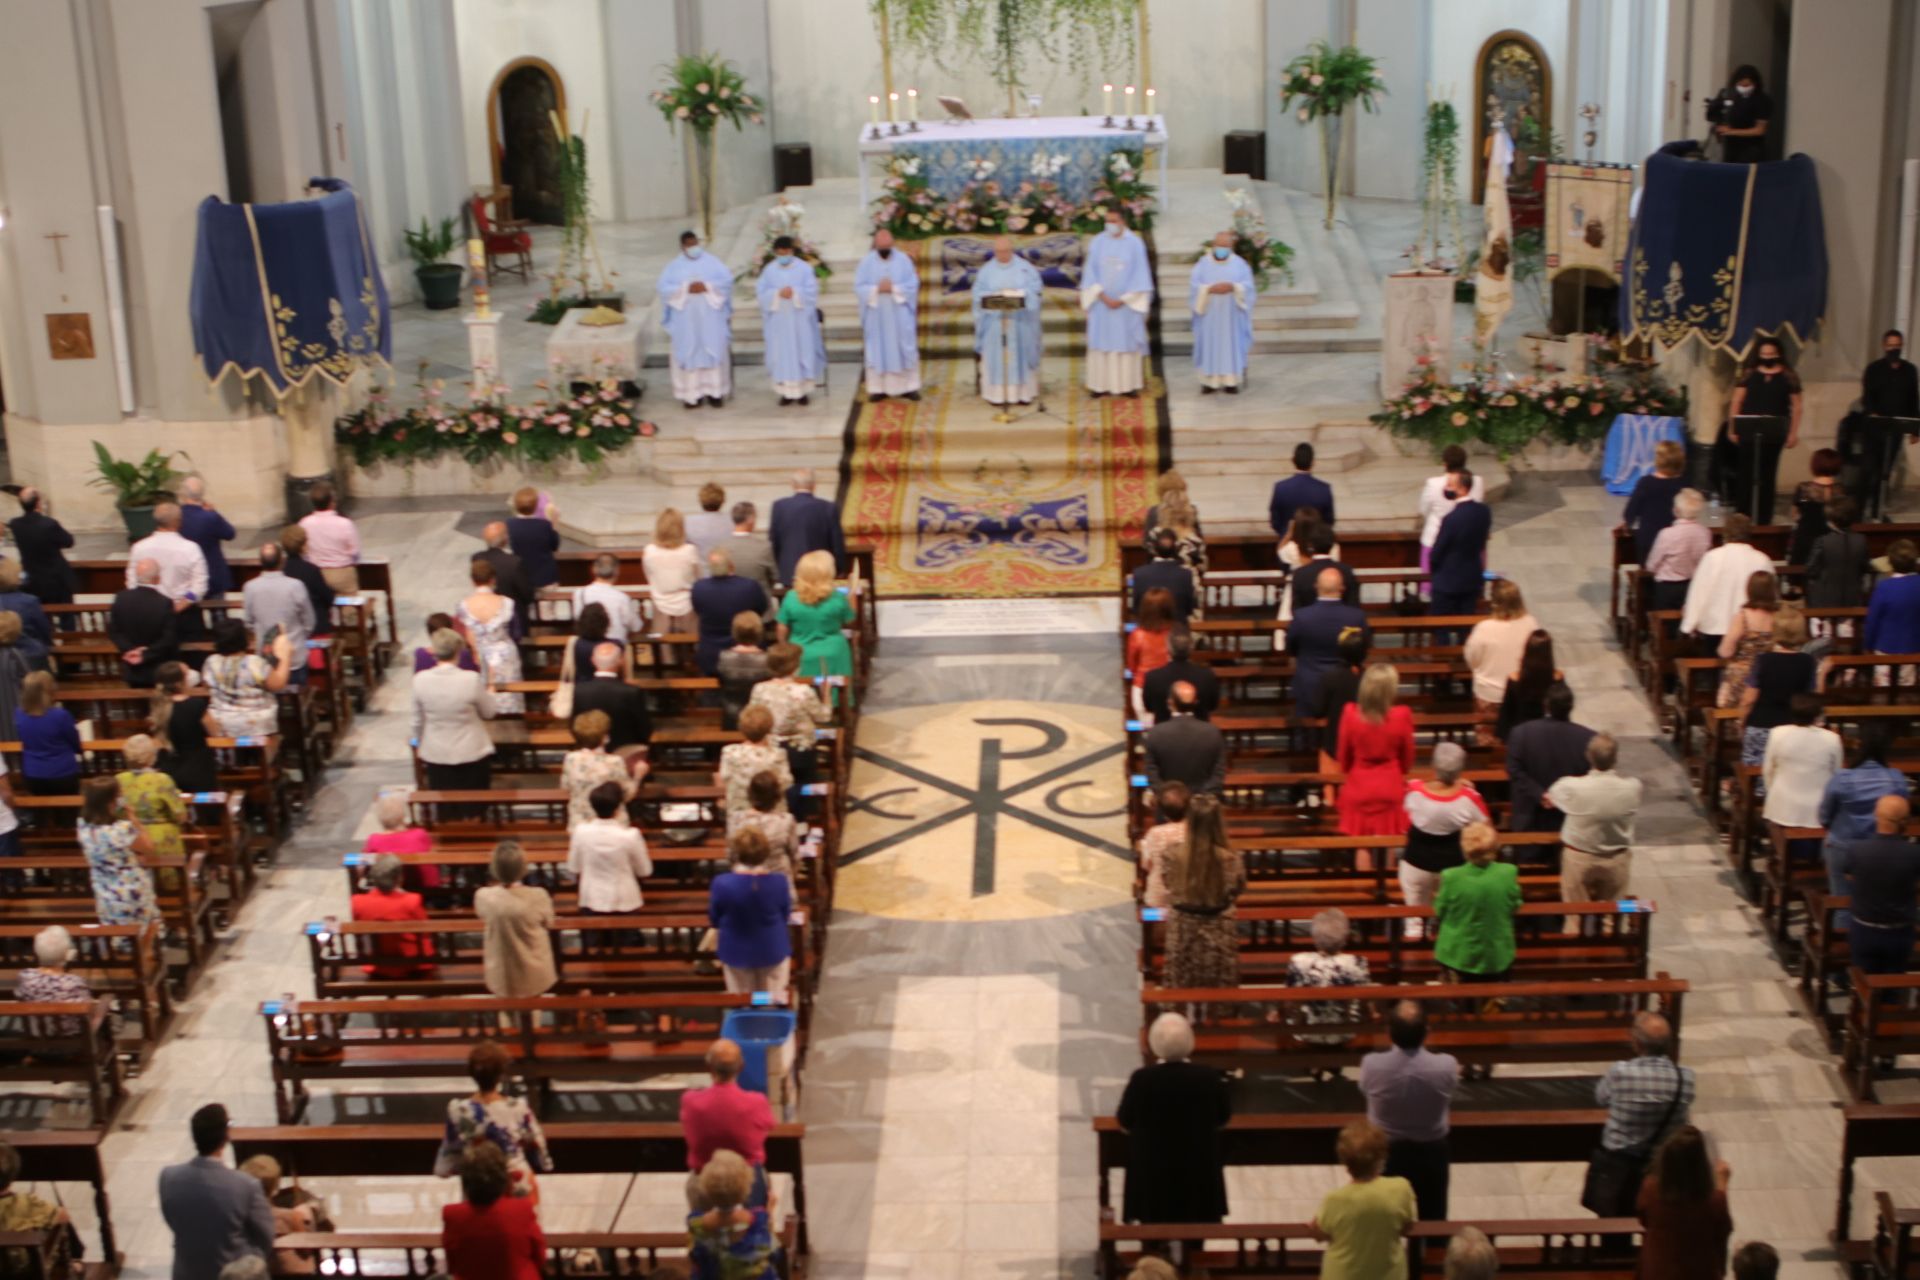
pixel 439 279
pixel 1320 85
pixel 136 486
pixel 702 91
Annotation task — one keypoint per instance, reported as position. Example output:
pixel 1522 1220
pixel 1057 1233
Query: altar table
pixel 948 147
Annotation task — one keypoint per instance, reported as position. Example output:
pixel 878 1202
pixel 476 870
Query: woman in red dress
pixel 1376 753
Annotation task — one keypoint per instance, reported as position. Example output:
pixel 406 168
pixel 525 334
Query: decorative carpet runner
pixel 957 504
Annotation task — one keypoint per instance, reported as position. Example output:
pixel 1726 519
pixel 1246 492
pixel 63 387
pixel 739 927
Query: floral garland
pixel 1033 205
pixel 1508 413
pixel 783 219
pixel 1268 257
pixel 584 427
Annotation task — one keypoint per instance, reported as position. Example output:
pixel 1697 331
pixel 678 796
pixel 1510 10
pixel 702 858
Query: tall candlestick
pixel 1152 105
pixel 873 108
pixel 913 105
pixel 1129 92
pixel 893 107
pixel 1106 99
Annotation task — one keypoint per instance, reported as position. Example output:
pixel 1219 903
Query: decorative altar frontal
pixel 951 152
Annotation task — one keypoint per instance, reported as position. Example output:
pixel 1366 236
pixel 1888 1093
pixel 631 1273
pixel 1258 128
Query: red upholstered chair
pixel 502 244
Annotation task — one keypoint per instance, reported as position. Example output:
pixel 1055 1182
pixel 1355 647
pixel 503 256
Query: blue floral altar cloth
pixel 1076 155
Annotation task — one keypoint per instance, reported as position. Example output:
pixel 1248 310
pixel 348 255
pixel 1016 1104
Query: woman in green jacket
pixel 1474 908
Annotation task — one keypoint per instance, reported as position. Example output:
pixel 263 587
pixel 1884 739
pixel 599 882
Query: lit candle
pixel 913 105
pixel 1152 106
pixel 1129 92
pixel 1106 99
pixel 873 108
pixel 893 107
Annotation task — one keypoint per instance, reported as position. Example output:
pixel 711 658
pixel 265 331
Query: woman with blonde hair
pixel 1773 678
pixel 1376 754
pixel 1168 481
pixel 1493 651
pixel 1749 635
pixel 1650 508
pixel 1204 878
pixel 1177 516
pixel 672 566
pixel 1474 908
pixel 590 764
pixel 49 740
pixel 152 797
pixel 814 615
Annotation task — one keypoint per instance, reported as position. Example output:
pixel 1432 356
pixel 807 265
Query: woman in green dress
pixel 152 798
pixel 813 615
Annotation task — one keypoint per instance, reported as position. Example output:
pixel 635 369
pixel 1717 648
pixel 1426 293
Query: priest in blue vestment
pixel 1009 362
pixel 1115 293
pixel 888 286
pixel 790 323
pixel 1221 295
pixel 696 300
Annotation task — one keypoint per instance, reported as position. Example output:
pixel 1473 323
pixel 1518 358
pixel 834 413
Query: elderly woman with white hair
pixel 152 797
pixel 1173 1112
pixel 1329 964
pixel 450 710
pixel 729 1238
pixel 1676 552
pixel 52 982
pixel 1470 1256
pixel 400 834
pixel 1437 812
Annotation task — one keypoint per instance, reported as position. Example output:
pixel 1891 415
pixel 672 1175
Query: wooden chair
pixel 501 242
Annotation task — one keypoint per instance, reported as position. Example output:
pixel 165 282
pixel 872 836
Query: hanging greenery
pixel 1320 85
pixel 1010 35
pixel 1440 184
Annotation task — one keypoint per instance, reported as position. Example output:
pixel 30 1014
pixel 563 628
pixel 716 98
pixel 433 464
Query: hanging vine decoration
pixel 1009 35
pixel 1439 181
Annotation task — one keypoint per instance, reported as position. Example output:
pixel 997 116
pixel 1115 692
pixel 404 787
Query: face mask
pixel 785 259
pixel 695 251
pixel 1114 228
pixel 1893 353
pixel 1744 90
pixel 886 253
pixel 1221 253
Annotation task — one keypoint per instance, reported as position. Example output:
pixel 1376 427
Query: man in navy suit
pixel 206 528
pixel 1165 570
pixel 803 523
pixel 1459 559
pixel 1301 489
pixel 1305 581
pixel 1313 637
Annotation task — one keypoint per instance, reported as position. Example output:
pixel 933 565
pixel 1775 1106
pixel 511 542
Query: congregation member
pixel 1169 829
pixel 1525 696
pixel 1314 636
pixel 1319 551
pixel 1810 499
pixel 1774 679
pixel 1204 879
pixel 748 907
pixel 272 600
pixel 1539 754
pixel 43 543
pixel 767 813
pixel 1438 498
pixel 517 939
pixel 114 842
pixel 388 899
pixel 1647 1097
pixel 510 578
pixel 717 600
pixel 887 283
pixel 1165 486
pixel 1470 1256
pixel 490 1234
pixel 1719 584
pixel 724 1117
pixel 293 546
pixel 52 980
pixel 23 1211
pixel 491 621
pixel 1329 964
pixel 333 541
pixel 532 537
pixel 1801 757
pixel 33 617
pixel 49 740
pixel 1740 123
pixel 789 295
pixel 1596 834
pixel 1683 1206
pixel 1301 489
pixel 1116 292
pixel 728 1239
pixel 1175 515
pixel 1651 505
pixel 589 766
pixel 423 658
pixel 492 1116
pixel 1838 565
pixel 1437 812
pixel 1674 555
pixel 182 719
pixel 696 310
pixel 1888 389
pixel 1749 634
pixel 623 612
pixel 242 686
pixel 1364 1222
pixel 754 753
pixel 1376 754
pixel 152 798
pixel 1459 556
pixel 709 527
pixel 1335 690
pixel 1221 294
pixel 815 615
pixel 1848 804
pixel 1473 910
pixel 1756 1260
pixel 1893 610
pixel 399 834
pixel 217 1214
pixel 1409 1091
pixel 1007 343
pixel 1173 1112
pixel 1883 875
pixel 450 711
pixel 183 569
pixel 208 530
pixel 799 707
pixel 1184 748
pixel 1493 651
pixel 1768 387
pixel 606 692
pixel 607 855
pixel 18 660
pixel 672 566
pixel 802 524
pixel 1166 571
pixel 1181 669
pixel 287 1221
pixel 1306 543
pixel 752 552
pixel 591 629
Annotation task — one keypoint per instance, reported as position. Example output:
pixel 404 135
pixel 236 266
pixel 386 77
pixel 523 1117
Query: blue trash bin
pixel 758 1032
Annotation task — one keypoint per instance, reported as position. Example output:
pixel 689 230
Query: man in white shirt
pixel 1719 585
pixel 623 613
pixel 607 855
pixel 183 569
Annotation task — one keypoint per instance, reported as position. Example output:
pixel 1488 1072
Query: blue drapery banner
pixel 1630 443
pixel 948 161
pixel 1725 253
pixel 288 292
pixel 1058 259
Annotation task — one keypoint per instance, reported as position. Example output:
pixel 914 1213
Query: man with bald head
pixel 43 543
pixel 1313 634
pixel 141 624
pixel 607 690
pixel 1185 748
pixel 1647 1097
pixel 1884 874
pixel 509 575
pixel 1007 341
pixel 183 569
pixel 725 1117
pixel 802 523
pixel 717 599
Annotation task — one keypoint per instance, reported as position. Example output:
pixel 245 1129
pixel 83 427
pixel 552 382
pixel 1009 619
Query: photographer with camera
pixel 1739 114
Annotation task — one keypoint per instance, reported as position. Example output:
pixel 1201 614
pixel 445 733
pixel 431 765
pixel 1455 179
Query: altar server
pixel 696 297
pixel 888 287
pixel 1009 369
pixel 1222 295
pixel 790 322
pixel 1115 294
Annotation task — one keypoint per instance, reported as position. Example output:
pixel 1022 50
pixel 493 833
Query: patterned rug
pixel 960 505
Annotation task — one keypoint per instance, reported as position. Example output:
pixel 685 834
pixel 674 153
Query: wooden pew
pixel 218 829
pixel 68 1155
pixel 1871 1130
pixel 1549 1249
pixel 37 1045
pixel 109 577
pixel 1382 549
pixel 61 892
pixel 121 960
pixel 1882 1022
pixel 419 1255
pixel 1561 1022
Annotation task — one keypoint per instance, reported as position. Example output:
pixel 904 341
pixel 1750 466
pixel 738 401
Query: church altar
pixel 948 149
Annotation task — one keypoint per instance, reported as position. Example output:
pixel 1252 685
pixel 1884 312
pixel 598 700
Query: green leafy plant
pixel 1011 35
pixel 553 308
pixel 1439 182
pixel 430 245
pixel 702 90
pixel 135 484
pixel 1320 85
pixel 583 426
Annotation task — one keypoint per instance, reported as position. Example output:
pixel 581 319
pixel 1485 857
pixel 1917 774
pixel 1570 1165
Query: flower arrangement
pixel 1320 85
pixel 702 90
pixel 783 219
pixel 584 426
pixel 1035 205
pixel 1268 257
pixel 1508 413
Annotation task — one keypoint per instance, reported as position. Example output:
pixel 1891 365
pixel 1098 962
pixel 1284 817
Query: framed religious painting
pixel 1512 73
